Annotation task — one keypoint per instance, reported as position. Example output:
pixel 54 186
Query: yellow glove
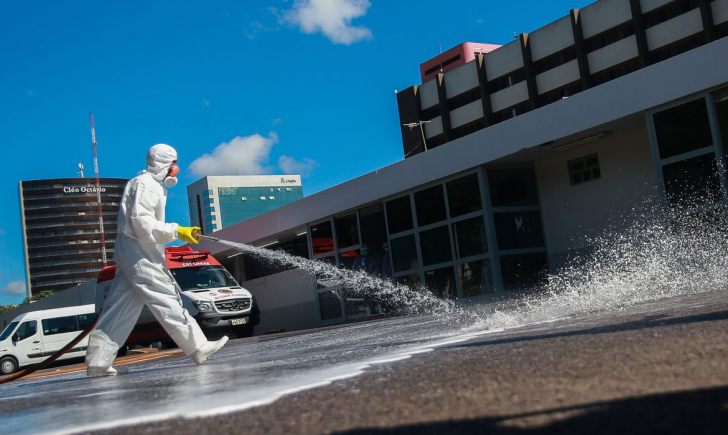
pixel 186 234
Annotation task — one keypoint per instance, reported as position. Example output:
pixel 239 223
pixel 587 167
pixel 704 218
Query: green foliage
pixel 42 295
pixel 6 308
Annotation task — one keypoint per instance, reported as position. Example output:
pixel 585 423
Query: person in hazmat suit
pixel 142 277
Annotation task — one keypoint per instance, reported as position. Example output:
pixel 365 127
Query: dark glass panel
pixel 524 271
pixel 399 215
pixel 518 230
pixel 430 206
pixel 469 236
pixel 463 195
pixel 683 128
pixel 512 187
pixel 435 245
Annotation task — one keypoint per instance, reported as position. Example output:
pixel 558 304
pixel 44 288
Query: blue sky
pixel 301 86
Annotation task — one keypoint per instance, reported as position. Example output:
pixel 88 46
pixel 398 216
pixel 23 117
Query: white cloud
pixel 289 165
pixel 13 288
pixel 241 156
pixel 330 17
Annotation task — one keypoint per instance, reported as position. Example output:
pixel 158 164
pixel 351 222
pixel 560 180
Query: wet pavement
pixel 660 366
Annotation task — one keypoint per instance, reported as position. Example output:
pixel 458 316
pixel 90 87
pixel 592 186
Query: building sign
pixel 288 181
pixel 82 189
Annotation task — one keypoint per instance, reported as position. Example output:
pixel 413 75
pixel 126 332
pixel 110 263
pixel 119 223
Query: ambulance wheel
pixel 8 365
pixel 243 331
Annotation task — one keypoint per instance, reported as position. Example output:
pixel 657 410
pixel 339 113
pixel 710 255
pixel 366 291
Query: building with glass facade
pixel 216 202
pixel 576 130
pixel 61 230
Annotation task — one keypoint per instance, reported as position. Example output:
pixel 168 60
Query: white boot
pixel 208 349
pixel 106 371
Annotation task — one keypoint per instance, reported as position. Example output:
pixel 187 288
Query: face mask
pixel 171 179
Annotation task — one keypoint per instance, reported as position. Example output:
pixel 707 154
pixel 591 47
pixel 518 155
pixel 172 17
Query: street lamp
pixel 412 125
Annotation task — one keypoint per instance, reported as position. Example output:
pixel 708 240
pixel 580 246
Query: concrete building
pixel 61 230
pixel 216 202
pixel 453 58
pixel 574 130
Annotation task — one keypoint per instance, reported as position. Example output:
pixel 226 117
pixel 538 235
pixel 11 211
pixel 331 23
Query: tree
pixel 42 295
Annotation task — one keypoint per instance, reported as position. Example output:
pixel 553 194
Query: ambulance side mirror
pixel 16 338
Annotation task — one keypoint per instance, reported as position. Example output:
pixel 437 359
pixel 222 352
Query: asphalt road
pixel 659 367
pixel 662 368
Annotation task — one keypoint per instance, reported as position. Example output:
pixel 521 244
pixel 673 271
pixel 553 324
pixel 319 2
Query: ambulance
pixel 34 336
pixel 208 291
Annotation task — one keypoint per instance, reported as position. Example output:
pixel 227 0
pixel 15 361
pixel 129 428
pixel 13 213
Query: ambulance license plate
pixel 240 321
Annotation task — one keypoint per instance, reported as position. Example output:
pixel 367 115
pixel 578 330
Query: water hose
pixel 43 364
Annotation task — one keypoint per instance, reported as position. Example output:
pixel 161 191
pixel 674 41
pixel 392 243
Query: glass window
pixel 512 187
pixel 196 278
pixel 469 236
pixel 683 128
pixel 584 169
pixel 463 195
pixel 322 238
pixel 475 278
pixel 518 230
pixel 60 325
pixel 347 231
pixel 524 271
pixel 27 329
pixel 8 330
pixel 399 215
pixel 84 320
pixel 441 282
pixel 412 281
pixel 346 260
pixel 373 228
pixel 692 182
pixel 430 206
pixel 404 253
pixel 435 244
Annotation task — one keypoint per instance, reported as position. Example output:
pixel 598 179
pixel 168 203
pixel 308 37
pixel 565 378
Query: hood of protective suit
pixel 159 159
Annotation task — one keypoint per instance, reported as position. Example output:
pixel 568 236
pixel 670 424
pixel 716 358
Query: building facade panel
pixel 650 5
pixel 678 28
pixel 428 95
pixel 551 38
pixel 604 15
pixel 461 79
pixel 510 96
pixel 613 54
pixel 504 60
pixel 465 114
pixel 558 77
pixel 720 11
pixel 433 128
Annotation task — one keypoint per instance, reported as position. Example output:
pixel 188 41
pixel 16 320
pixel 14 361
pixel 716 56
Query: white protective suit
pixel 142 276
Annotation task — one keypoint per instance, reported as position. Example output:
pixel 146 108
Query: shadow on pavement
pixel 647 322
pixel 693 412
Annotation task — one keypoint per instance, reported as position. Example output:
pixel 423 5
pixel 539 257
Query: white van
pixel 33 337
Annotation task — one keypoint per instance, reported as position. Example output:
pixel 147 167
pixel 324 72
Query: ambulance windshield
pixel 204 277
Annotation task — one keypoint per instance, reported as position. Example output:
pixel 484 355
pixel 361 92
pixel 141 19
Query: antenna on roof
pixel 439 46
pixel 80 169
